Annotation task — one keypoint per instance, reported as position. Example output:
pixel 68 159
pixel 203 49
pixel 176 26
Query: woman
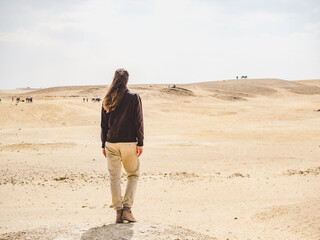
pixel 122 141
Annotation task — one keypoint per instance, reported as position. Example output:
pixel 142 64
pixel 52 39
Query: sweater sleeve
pixel 139 121
pixel 104 127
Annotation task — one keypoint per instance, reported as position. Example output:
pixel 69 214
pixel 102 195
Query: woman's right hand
pixel 104 152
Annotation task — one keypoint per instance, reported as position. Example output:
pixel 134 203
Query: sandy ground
pixel 222 160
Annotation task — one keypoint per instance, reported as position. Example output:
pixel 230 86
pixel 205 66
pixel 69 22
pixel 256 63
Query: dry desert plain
pixel 234 159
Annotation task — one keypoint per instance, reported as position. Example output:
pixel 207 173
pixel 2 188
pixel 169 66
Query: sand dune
pixel 314 82
pixel 226 90
pixel 65 90
pixel 234 159
pixel 259 86
pixel 229 90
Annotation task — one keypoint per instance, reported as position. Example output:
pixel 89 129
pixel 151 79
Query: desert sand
pixel 233 159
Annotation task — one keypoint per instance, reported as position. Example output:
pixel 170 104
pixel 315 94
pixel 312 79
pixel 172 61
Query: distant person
pixel 122 141
pixel 237 77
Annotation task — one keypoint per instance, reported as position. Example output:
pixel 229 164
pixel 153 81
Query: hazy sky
pixel 76 42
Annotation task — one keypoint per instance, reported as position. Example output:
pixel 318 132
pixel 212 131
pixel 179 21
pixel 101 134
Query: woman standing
pixel 122 141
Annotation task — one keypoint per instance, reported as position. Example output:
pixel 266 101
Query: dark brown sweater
pixel 125 123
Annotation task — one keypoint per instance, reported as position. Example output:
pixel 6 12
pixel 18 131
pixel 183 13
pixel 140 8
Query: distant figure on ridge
pixel 29 99
pixel 122 137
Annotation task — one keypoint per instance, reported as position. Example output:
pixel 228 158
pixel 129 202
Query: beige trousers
pixel 127 154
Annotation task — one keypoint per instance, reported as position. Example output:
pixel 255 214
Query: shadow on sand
pixel 109 232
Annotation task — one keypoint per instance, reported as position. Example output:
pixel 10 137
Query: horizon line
pixel 83 85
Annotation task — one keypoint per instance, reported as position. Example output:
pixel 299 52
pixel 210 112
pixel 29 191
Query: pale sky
pixel 77 42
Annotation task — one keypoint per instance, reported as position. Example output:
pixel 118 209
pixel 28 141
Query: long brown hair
pixel 116 90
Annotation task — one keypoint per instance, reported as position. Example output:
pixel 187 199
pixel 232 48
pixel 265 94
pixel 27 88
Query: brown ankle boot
pixel 119 216
pixel 127 215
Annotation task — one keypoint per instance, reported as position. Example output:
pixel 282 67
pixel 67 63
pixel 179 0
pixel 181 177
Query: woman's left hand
pixel 104 152
pixel 139 150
